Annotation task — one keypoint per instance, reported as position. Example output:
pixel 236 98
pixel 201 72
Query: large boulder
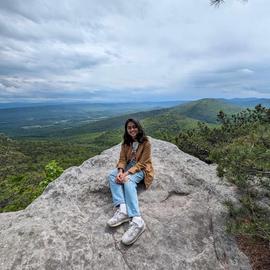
pixel 65 228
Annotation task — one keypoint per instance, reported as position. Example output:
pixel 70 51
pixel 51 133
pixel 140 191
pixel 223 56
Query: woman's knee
pixel 126 179
pixel 129 181
pixel 136 177
pixel 112 175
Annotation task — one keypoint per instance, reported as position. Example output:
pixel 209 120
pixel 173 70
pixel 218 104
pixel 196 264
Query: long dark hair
pixel 141 137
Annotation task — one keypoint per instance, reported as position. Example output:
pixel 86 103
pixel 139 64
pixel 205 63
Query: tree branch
pixel 218 2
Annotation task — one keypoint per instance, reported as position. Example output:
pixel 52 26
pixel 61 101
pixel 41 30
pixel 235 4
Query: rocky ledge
pixel 65 228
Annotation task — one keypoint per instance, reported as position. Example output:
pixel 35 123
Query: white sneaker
pixel 118 218
pixel 133 233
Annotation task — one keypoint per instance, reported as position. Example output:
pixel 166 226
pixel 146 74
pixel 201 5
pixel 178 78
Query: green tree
pixel 52 171
pixel 241 148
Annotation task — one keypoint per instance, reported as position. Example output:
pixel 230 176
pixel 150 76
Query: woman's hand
pixel 121 177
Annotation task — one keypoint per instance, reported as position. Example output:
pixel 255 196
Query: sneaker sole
pixel 119 223
pixel 135 239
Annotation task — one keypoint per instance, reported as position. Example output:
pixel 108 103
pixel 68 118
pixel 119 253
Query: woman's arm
pixel 122 159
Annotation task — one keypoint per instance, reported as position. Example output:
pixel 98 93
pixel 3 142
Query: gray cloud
pixel 99 49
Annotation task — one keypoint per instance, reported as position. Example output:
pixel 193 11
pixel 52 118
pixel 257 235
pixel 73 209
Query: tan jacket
pixel 143 161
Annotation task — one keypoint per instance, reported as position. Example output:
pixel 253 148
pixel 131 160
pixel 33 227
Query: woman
pixel 134 166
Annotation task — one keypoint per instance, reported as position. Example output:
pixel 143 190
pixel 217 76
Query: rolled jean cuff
pixel 134 215
pixel 115 204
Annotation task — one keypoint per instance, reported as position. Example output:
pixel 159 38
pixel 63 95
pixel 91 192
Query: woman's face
pixel 132 130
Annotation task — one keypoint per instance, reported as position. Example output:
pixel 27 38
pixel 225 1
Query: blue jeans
pixel 126 192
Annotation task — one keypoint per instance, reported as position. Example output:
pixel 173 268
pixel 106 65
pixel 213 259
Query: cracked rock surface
pixel 65 228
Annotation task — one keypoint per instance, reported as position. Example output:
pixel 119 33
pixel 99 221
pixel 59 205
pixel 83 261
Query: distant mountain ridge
pixel 205 109
pixel 46 119
pixel 248 102
pixel 57 105
pixel 52 121
pixel 243 102
pixel 166 120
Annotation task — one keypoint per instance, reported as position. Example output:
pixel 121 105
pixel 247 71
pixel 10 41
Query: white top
pixel 135 146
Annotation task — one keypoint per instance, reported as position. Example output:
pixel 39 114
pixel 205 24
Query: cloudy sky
pixel 119 50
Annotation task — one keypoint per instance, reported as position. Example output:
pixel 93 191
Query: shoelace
pixel 117 214
pixel 132 228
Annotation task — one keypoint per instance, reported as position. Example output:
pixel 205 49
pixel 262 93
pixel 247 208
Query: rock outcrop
pixel 65 228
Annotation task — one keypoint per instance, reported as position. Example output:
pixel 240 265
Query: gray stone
pixel 65 228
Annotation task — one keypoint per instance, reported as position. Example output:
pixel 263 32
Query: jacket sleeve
pixel 122 159
pixel 143 161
